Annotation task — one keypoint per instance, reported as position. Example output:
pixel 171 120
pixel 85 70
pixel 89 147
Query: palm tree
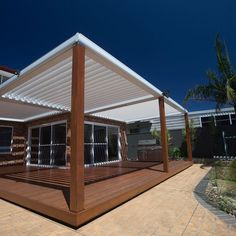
pixel 221 87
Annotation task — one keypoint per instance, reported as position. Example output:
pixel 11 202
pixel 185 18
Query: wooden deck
pixel 47 190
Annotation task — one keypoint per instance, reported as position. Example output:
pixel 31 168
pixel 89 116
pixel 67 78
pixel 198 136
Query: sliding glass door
pixel 48 145
pixel 45 146
pixel 113 149
pixel 34 159
pixel 101 143
pixel 88 144
pixel 58 144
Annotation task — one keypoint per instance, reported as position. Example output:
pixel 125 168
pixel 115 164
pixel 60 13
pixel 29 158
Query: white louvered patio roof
pixel 11 111
pixel 112 89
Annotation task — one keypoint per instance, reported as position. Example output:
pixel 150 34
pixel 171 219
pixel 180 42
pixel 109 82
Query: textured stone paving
pixel 167 209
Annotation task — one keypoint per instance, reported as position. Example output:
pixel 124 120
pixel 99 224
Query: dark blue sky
pixel 170 43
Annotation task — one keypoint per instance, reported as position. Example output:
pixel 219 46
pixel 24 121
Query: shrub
pixel 225 170
pixel 220 196
pixel 157 135
pixel 233 164
pixel 175 153
pixel 219 163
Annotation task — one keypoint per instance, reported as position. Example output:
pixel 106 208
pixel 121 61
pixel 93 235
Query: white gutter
pixel 213 111
pixel 6 74
pixel 31 118
pixel 11 119
pixel 79 38
pixel 174 104
pixel 46 114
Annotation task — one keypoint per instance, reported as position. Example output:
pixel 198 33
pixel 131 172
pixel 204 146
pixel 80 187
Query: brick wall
pixel 17 155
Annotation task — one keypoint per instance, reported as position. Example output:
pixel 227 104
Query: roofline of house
pixel 213 111
pixel 8 70
pixel 228 110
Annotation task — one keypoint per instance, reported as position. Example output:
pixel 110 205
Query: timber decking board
pixel 50 195
pixel 62 176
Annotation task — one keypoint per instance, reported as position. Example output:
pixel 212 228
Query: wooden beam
pixel 164 142
pixel 188 137
pixel 77 130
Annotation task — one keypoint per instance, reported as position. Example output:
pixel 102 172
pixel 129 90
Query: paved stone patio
pixel 167 209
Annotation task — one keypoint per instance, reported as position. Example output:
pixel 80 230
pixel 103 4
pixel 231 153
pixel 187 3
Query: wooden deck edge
pixel 96 211
pixel 77 219
pixel 38 207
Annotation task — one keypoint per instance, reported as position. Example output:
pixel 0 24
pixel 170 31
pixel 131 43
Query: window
pixel 88 133
pixel 99 134
pixel 222 120
pixel 88 144
pixel 112 143
pixel 45 145
pixel 88 154
pixel 207 121
pixel 5 139
pixel 217 120
pixel 34 146
pixel 48 145
pixel 58 148
pixel 101 143
pixel 59 133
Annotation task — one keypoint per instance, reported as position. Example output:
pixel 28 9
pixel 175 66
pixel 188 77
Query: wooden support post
pixel 164 142
pixel 77 130
pixel 188 137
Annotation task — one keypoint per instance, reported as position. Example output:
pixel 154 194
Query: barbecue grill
pixel 149 150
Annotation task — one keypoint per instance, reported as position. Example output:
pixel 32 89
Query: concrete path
pixel 167 209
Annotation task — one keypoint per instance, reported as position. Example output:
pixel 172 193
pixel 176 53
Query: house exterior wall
pixel 208 140
pixel 176 122
pixel 18 144
pixel 20 136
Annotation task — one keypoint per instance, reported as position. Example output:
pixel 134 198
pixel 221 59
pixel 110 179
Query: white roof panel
pixel 51 87
pixel 137 112
pixel 22 112
pixel 109 84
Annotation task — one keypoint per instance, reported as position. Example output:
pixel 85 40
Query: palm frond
pixel 223 61
pixel 231 89
pixel 221 87
pixel 199 92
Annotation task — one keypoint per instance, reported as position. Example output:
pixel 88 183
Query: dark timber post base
pixel 77 130
pixel 164 142
pixel 188 137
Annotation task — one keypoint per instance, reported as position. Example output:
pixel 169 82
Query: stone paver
pixel 167 209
